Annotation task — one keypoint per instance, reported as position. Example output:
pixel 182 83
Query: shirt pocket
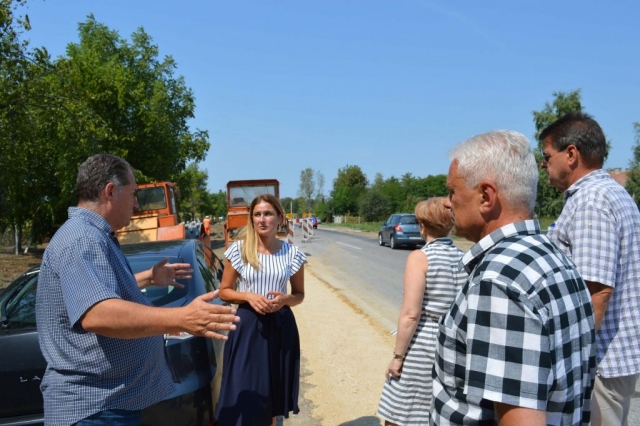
pixel 452 360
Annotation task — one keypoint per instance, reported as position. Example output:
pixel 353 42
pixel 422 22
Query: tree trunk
pixel 17 234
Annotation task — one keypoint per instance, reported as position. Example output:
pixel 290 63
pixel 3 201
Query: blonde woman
pixel 260 378
pixel 431 280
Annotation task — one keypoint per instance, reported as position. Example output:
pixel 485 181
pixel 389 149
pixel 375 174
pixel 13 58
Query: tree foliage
pixel 310 190
pixel 633 175
pixel 105 95
pixel 348 187
pixel 373 205
pixel 549 200
pixel 307 185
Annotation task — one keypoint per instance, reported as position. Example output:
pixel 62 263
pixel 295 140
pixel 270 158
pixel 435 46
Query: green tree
pixel 394 192
pixel 549 200
pixel 195 200
pixel 633 176
pixel 319 186
pixel 25 162
pixel 374 206
pixel 307 186
pixel 348 187
pixel 105 95
pixel 219 203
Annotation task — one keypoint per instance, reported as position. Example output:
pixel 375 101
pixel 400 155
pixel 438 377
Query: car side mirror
pixel 384 223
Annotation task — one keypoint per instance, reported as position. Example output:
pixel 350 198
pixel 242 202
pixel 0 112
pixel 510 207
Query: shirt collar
pixel 91 217
pixel 441 240
pixel 584 181
pixel 477 252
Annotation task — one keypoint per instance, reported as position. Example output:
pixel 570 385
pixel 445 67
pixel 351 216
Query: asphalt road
pixel 371 276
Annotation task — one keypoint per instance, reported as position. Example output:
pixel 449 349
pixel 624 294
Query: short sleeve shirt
pixel 520 332
pixel 599 229
pixel 275 271
pixel 86 372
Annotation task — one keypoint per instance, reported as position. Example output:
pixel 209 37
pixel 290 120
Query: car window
pixel 210 268
pixel 21 307
pixel 390 220
pixel 159 296
pixel 408 220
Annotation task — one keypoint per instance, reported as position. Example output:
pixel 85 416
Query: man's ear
pixel 488 193
pixel 573 156
pixel 108 191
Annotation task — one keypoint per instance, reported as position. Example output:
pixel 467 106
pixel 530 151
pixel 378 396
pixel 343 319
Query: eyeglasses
pixel 547 157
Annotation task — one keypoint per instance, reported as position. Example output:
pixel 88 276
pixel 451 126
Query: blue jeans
pixel 112 417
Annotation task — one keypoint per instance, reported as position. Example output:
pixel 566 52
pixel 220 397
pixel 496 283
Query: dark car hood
pixel 21 369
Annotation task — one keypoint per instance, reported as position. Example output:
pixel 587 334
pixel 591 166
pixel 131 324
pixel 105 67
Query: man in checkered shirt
pixel 599 229
pixel 517 346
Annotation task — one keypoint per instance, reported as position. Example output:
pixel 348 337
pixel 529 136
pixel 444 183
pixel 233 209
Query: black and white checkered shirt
pixel 520 332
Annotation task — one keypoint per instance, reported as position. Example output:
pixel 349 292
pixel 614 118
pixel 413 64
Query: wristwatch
pixel 398 356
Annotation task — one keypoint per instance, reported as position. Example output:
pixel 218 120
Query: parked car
pixel 193 360
pixel 400 229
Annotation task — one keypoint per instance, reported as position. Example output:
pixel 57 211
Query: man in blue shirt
pixel 101 338
pixel 599 229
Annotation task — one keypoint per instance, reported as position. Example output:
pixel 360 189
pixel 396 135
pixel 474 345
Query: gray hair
pixel 99 170
pixel 503 157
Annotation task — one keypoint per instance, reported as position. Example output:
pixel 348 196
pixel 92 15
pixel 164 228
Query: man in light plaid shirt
pixel 517 346
pixel 599 229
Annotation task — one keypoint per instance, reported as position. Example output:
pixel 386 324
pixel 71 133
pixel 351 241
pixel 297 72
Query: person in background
pixel 517 346
pixel 599 229
pixel 205 231
pixel 431 280
pixel 261 374
pixel 99 334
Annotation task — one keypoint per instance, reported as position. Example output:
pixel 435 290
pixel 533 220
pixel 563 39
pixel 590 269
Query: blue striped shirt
pixel 599 229
pixel 276 269
pixel 87 372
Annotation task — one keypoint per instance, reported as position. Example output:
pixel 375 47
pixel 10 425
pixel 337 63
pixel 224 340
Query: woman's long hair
pixel 249 235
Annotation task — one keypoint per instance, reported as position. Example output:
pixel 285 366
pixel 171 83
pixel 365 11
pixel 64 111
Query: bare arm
pixel 600 296
pixel 297 292
pixel 510 415
pixel 128 320
pixel 414 287
pixel 229 294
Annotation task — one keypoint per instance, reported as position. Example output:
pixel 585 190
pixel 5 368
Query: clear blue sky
pixel 389 86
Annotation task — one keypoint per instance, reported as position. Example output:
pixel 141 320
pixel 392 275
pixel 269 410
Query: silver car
pixel 400 229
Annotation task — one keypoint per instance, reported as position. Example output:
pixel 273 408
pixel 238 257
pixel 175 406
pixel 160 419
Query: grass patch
pixel 545 222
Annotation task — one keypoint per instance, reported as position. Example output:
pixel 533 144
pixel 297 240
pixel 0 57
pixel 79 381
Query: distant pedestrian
pixel 261 374
pixel 517 346
pixel 205 231
pixel 431 280
pixel 206 222
pixel 599 229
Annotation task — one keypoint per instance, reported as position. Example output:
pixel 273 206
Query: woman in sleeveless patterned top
pixel 261 372
pixel 432 279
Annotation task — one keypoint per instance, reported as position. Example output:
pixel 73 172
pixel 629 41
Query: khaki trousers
pixel 611 400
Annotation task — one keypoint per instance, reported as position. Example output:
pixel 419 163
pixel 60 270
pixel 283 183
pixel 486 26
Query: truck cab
pixel 240 194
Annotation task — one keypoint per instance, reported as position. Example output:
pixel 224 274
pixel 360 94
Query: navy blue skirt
pixel 261 369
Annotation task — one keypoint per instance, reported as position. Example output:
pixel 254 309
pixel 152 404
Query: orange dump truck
pixel 156 219
pixel 240 193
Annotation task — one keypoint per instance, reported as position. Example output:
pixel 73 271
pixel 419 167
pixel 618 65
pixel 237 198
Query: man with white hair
pixel 517 346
